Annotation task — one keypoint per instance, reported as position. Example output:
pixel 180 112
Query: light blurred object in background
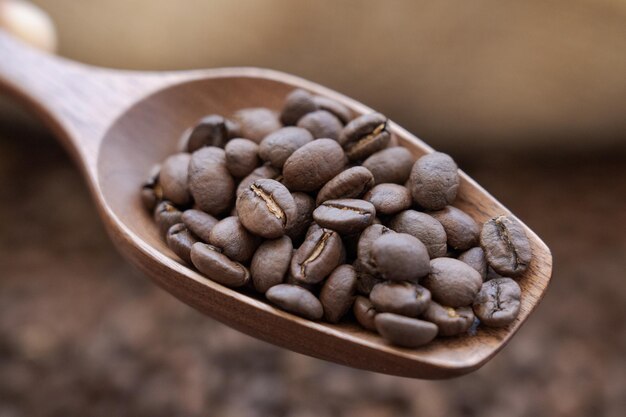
pixel 29 23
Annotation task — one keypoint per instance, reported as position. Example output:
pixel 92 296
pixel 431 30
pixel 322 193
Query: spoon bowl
pixel 118 124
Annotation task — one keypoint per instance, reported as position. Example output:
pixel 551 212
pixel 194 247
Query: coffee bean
pixel 199 223
pixel 450 321
pixel 364 250
pixel 365 136
pixel 452 283
pixel 400 257
pixel 217 266
pixel 475 258
pixel 365 281
pixel 256 123
pixel 424 227
pixel 296 300
pixel 506 245
pixel 434 181
pixel 241 157
pixel 351 183
pixel 461 230
pixel 498 302
pixel 233 240
pixel 391 165
pixel 304 216
pixel 321 124
pixel 298 103
pixel 364 312
pixel 266 208
pixel 316 258
pixel 337 294
pixel 211 185
pixel 180 240
pixel 314 164
pixel 212 130
pixel 279 145
pixel 173 179
pixel 270 263
pixel 389 199
pixel 400 297
pixel 404 331
pixel 166 215
pixel 340 111
pixel 151 191
pixel 263 172
pixel 345 216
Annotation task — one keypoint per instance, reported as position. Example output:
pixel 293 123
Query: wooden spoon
pixel 117 124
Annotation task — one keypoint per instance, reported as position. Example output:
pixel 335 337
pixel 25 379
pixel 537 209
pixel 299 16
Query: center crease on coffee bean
pixel 315 253
pixel 364 140
pixel 342 207
pixel 502 231
pixel 272 206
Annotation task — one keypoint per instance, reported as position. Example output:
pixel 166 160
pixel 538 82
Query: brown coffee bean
pixel 337 294
pixel 450 321
pixel 405 331
pixel 212 130
pixel 180 240
pixel 316 258
pixel 365 281
pixel 151 191
pixel 217 266
pixel 424 227
pixel 340 111
pixel 211 185
pixel 233 240
pixel 475 258
pixel 400 257
pixel 166 215
pixel 434 181
pixel 298 103
pixel 364 249
pixel 498 302
pixel 400 297
pixel 351 183
pixel 452 282
pixel 263 172
pixel 364 312
pixel 391 165
pixel 461 230
pixel 242 157
pixel 278 146
pixel 389 198
pixel 346 216
pixel 173 179
pixel 313 165
pixel 321 124
pixel 506 245
pixel 304 216
pixel 296 300
pixel 270 263
pixel 364 136
pixel 256 123
pixel 266 208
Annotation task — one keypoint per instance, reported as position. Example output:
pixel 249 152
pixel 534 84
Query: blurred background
pixel 530 99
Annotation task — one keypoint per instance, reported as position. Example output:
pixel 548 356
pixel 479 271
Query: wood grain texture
pixel 117 124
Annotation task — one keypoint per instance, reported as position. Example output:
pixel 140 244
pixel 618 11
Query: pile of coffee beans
pixel 327 217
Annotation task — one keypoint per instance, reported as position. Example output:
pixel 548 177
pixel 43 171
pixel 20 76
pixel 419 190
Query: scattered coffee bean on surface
pixel 270 263
pixel 256 123
pixel 316 258
pixel 364 313
pixel 400 297
pixel 351 183
pixel 346 216
pixel 423 227
pixel 452 282
pixel 364 136
pixel 405 331
pixel 263 172
pixel 173 179
pixel 305 204
pixel 340 111
pixel 321 124
pixel 337 294
pixel 400 257
pixel 296 300
pixel 242 157
pixel 450 321
pixel 166 215
pixel 180 240
pixel 475 258
pixel 233 240
pixel 199 223
pixel 391 165
pixel 218 266
pixel 434 181
pixel 313 165
pixel 279 145
pixel 298 103
pixel 498 302
pixel 389 199
pixel 461 230
pixel 364 250
pixel 266 208
pixel 211 185
pixel 212 130
pixel 506 245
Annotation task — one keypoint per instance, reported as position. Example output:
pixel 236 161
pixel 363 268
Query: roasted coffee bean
pixel 296 300
pixel 391 165
pixel 199 223
pixel 304 216
pixel 173 179
pixel 452 282
pixel 400 257
pixel 346 216
pixel 233 240
pixel 166 215
pixel 404 331
pixel 266 208
pixel 498 302
pixel 450 321
pixel 270 263
pixel 316 258
pixel 256 123
pixel 364 136
pixel 389 198
pixel 461 230
pixel 263 172
pixel 211 185
pixel 151 191
pixel 434 181
pixel 298 103
pixel 365 281
pixel 217 266
pixel 506 245
pixel 424 227
pixel 242 157
pixel 337 294
pixel 212 130
pixel 321 124
pixel 351 183
pixel 475 258
pixel 400 297
pixel 364 312
pixel 180 240
pixel 340 111
pixel 364 250
pixel 313 165
pixel 279 145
